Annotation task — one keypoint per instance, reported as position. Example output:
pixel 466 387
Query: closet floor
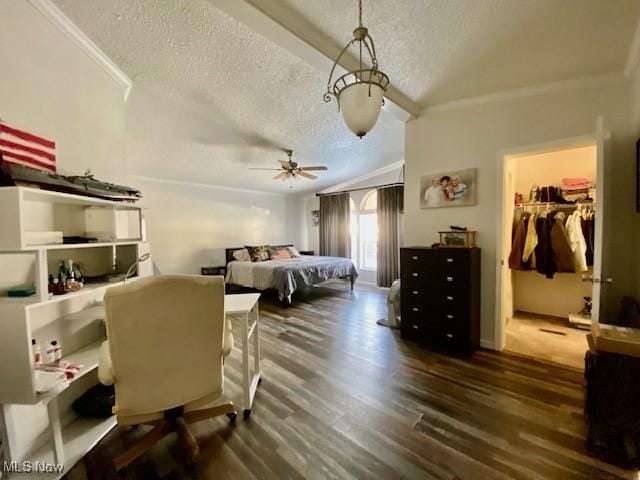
pixel 547 338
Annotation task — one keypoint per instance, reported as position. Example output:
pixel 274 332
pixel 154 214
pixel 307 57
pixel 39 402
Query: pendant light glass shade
pixel 359 92
pixel 360 104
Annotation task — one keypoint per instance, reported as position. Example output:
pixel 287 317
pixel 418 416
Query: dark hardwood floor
pixel 345 398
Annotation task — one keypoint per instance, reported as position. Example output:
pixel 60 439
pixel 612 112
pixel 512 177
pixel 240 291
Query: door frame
pixel 504 156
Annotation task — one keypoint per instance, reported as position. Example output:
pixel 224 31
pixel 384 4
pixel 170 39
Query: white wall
pixel 190 225
pixel 50 86
pixel 457 138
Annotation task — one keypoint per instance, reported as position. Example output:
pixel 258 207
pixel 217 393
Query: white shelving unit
pixel 42 426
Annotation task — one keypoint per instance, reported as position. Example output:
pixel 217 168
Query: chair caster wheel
pixel 232 417
pixel 246 413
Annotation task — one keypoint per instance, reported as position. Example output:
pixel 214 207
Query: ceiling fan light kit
pixel 291 171
pixel 359 93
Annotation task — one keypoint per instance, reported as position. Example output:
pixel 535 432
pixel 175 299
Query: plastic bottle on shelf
pixel 37 354
pixel 50 353
pixel 57 350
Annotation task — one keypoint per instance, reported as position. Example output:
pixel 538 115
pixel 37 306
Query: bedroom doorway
pixel 548 296
pixel 364 233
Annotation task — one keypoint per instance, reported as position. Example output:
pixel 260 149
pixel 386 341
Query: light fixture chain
pixel 360 11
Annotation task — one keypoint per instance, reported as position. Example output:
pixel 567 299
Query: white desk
pixel 244 307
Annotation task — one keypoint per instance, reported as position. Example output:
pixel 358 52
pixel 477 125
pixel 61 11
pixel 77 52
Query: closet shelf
pixel 555 205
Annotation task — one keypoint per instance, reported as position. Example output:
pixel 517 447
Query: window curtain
pixel 335 240
pixel 389 209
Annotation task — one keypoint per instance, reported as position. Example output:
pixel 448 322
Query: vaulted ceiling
pixel 212 96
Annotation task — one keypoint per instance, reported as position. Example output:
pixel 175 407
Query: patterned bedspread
pixel 288 275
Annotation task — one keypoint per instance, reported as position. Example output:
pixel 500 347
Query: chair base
pixel 176 420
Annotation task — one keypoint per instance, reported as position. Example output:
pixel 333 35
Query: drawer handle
pixel 449 279
pixel 415 257
pixel 415 309
pixel 449 335
pixel 449 260
pixel 414 274
pixel 415 327
pixel 415 292
pixel 449 316
pixel 450 298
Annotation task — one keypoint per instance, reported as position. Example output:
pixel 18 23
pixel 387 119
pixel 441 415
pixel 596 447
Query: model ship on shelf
pixel 12 174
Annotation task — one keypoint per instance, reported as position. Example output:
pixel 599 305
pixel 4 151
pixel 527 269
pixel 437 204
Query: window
pixel 364 232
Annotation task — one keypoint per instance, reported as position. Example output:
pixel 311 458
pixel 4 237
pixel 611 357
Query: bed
pixel 288 275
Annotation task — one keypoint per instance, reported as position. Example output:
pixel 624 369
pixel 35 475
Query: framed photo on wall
pixel 456 188
pixel 315 217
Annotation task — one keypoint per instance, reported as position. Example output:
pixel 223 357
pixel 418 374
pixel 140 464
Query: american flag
pixel 24 148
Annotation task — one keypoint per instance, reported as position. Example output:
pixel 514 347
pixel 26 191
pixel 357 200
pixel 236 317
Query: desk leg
pixel 256 344
pixel 246 382
pixel 56 430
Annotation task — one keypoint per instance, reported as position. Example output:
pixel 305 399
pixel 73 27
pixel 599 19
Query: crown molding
pixel 66 26
pixel 210 186
pixel 507 95
pixel 366 176
pixel 633 60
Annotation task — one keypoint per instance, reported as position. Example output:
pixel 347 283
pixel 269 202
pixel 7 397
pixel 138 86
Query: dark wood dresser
pixel 440 297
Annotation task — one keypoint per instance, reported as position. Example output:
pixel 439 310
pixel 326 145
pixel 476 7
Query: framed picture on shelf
pixel 456 188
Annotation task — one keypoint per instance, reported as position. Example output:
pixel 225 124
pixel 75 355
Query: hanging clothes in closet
pixel 543 243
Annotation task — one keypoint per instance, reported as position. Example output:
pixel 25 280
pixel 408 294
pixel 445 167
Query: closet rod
pixel 396 184
pixel 553 204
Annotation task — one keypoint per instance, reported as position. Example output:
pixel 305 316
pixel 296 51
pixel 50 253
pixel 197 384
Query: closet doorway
pixel 550 249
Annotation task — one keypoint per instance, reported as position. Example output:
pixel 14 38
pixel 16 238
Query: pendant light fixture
pixel 360 92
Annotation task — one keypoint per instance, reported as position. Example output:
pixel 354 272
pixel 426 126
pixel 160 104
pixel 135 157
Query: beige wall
pixel 473 136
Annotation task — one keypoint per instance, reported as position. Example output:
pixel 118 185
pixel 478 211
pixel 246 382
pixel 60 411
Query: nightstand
pixel 307 252
pixel 214 271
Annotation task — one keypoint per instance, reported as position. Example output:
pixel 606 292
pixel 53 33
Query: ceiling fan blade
pixel 317 167
pixel 280 176
pixel 272 169
pixel 284 163
pixel 307 175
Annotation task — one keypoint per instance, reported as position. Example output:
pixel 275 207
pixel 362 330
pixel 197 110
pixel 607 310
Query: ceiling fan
pixel 290 169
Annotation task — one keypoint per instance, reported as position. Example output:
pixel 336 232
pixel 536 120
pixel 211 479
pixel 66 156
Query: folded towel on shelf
pixel 575 182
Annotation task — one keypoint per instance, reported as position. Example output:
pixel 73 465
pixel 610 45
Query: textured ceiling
pixel 212 97
pixel 441 50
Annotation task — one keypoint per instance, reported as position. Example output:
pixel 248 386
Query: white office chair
pixel 167 339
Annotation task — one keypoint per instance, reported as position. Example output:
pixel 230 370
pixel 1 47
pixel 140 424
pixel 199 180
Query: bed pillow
pixel 260 253
pixel 280 253
pixel 242 255
pixel 293 252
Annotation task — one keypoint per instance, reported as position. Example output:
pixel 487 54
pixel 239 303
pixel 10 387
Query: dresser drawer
pixel 453 282
pixel 451 259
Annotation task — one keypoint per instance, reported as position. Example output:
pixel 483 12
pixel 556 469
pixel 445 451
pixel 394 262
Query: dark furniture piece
pixel 307 252
pixel 611 405
pixel 214 270
pixel 440 297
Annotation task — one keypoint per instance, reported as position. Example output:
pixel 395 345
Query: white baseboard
pixel 490 344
